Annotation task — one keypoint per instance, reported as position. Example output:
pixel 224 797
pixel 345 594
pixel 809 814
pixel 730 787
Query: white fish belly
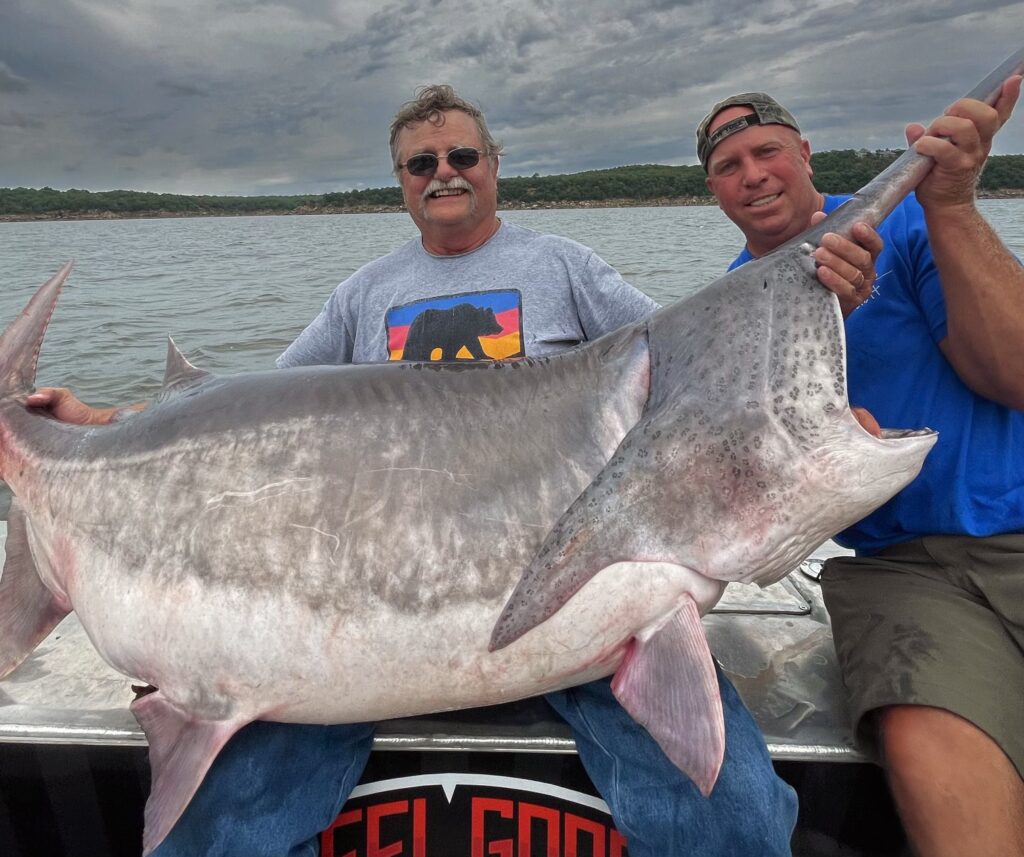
pixel 404 664
pixel 274 659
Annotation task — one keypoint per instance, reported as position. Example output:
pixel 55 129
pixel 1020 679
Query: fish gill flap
pixel 584 541
pixel 602 527
pixel 668 684
pixel 28 610
pixel 179 374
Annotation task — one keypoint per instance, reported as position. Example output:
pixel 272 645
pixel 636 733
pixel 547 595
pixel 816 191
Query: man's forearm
pixel 983 285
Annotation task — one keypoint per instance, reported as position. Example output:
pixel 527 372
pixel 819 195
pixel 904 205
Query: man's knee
pixel 908 731
pixel 925 745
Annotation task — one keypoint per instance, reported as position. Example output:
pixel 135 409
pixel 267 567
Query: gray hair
pixel 429 105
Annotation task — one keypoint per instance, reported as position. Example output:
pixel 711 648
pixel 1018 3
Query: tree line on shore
pixel 840 171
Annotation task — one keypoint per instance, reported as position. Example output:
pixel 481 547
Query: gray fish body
pixel 260 545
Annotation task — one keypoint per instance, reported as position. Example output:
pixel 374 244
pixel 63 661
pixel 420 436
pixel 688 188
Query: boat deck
pixel 775 644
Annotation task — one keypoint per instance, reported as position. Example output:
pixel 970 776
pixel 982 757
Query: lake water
pixel 234 291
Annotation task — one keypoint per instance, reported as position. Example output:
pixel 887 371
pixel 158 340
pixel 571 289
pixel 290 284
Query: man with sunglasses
pixel 471 287
pixel 928 617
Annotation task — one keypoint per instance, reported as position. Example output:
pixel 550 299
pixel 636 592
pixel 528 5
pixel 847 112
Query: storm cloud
pixel 295 96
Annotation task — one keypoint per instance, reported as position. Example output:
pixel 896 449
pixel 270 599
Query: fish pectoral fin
pixel 181 750
pixel 669 685
pixel 28 610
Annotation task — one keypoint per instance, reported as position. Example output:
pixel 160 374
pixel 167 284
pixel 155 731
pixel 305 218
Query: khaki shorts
pixel 937 621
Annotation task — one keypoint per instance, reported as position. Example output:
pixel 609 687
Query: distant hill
pixel 840 171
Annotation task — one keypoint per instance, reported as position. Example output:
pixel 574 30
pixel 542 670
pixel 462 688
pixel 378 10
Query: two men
pixel 530 294
pixel 929 616
pixel 472 286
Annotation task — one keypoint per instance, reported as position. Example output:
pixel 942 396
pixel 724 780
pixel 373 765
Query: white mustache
pixel 454 183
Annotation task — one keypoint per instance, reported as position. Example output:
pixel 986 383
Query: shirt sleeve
pixel 923 273
pixel 327 340
pixel 605 301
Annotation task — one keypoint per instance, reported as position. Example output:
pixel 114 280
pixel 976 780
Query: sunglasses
pixel 425 163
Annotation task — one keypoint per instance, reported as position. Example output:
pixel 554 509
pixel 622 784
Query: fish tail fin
pixel 20 343
pixel 181 750
pixel 28 610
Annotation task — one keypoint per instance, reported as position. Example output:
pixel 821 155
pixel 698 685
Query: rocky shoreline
pixel 355 209
pixel 394 209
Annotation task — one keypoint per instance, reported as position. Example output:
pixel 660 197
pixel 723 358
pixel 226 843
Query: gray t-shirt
pixel 523 292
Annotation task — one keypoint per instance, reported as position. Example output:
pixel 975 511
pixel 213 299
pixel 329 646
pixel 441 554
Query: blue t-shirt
pixel 972 482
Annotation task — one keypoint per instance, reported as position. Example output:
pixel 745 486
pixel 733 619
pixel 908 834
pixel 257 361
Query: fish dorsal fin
pixel 180 374
pixel 20 343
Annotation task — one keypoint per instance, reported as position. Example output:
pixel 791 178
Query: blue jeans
pixel 275 786
pixel 750 811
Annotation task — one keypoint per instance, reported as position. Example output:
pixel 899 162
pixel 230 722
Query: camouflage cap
pixel 767 111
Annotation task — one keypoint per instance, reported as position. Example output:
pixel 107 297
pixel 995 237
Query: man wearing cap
pixel 928 617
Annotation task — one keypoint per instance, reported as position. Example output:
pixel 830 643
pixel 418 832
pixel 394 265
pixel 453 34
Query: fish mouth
pixel 904 434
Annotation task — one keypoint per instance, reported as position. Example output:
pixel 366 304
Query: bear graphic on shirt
pixel 450 330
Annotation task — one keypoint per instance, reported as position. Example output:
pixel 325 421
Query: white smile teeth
pixel 448 192
pixel 764 200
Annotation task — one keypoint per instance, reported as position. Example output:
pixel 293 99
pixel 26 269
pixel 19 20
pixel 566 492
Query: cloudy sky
pixel 251 97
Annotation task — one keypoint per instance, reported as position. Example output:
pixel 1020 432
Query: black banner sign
pixel 476 815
